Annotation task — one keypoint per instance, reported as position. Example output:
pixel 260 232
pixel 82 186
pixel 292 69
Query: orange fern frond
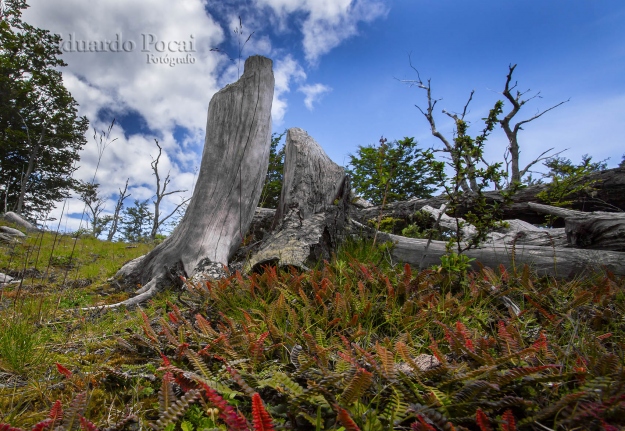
pixel 357 385
pixel 345 419
pixel 261 418
pixel 541 343
pixel 233 419
pixel 482 421
pixel 56 412
pixel 421 425
pixel 509 423
pixel 87 425
pixel 147 328
pixel 62 370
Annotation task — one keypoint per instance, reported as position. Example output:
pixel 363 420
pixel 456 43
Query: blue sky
pixel 338 66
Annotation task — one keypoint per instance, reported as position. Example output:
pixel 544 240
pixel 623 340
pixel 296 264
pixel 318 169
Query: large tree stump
pixel 312 211
pixel 234 163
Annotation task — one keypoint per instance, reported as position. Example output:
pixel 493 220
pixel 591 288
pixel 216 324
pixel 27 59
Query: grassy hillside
pixel 359 342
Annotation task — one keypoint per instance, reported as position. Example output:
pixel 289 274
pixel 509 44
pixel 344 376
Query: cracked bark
pixel 234 163
pixel 312 211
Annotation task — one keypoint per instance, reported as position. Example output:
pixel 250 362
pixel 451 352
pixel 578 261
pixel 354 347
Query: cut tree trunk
pixel 595 230
pixel 312 211
pixel 234 164
pixel 560 262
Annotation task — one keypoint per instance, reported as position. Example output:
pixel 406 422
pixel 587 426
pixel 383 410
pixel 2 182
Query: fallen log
pixel 233 167
pixel 595 230
pixel 553 261
pixel 607 194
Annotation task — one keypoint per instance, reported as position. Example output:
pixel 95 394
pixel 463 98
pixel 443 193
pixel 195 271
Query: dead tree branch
pixel 160 194
pixel 511 132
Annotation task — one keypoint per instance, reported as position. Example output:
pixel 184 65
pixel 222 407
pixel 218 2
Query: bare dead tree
pixel 513 150
pixel 118 208
pixel 449 147
pixel 160 194
pixel 94 202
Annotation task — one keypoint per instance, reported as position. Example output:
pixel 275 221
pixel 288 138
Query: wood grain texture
pixel 233 167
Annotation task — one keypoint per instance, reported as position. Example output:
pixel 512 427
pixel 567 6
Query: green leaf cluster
pixel 40 130
pixel 400 167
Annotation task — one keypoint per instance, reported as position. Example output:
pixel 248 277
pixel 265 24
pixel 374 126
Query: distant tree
pixel 161 192
pixel 136 222
pixel 622 164
pixel 40 130
pixel 116 214
pixel 270 195
pixel 517 101
pixel 89 193
pixel 398 170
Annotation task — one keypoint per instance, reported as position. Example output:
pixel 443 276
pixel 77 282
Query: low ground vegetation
pixel 360 342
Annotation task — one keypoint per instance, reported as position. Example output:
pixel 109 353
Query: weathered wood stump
pixel 596 230
pixel 312 211
pixel 234 163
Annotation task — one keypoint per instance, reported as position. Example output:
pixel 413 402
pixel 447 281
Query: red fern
pixel 233 420
pixel 257 349
pixel 346 419
pixel 165 360
pixel 87 425
pixel 261 419
pixel 482 421
pixel 421 425
pixel 61 369
pixel 508 424
pixel 7 427
pixel 541 343
pixel 44 425
pixel 56 412
pixel 462 331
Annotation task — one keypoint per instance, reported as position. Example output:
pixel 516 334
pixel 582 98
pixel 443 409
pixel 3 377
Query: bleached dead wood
pixel 312 211
pixel 562 262
pixel 595 230
pixel 233 167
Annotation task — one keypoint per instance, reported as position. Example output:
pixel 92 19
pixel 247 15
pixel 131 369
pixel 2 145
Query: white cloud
pixel 285 71
pixel 327 22
pixel 165 97
pixel 313 93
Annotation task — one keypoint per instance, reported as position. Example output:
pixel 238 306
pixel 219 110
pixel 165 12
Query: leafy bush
pixel 399 169
pixel 272 187
pixel 568 180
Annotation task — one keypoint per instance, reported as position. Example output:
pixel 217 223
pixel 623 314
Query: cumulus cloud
pixel 313 93
pixel 116 82
pixel 285 71
pixel 327 22
pixel 133 80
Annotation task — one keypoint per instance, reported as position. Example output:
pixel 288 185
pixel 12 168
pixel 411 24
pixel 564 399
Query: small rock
pixel 5 237
pixel 13 232
pixel 207 270
pixel 424 362
pixel 5 278
pixel 19 220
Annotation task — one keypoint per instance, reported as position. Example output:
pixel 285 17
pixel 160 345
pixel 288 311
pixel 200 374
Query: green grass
pixel 331 348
